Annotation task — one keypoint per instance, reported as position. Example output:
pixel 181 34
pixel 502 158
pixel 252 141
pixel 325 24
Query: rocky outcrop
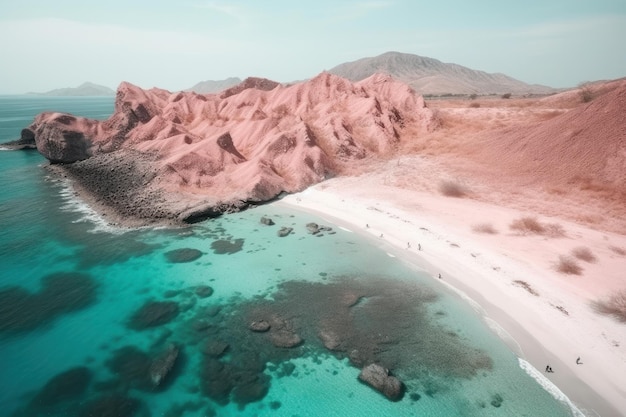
pixel 163 364
pixel 378 378
pixel 208 154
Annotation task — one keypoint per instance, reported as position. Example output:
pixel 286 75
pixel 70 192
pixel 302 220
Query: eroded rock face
pixel 245 146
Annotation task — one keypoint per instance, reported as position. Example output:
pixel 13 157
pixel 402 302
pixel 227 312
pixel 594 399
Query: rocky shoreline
pixel 122 187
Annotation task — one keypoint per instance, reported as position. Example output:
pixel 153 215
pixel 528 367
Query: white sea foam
pixel 73 203
pixel 390 255
pixel 550 387
pixel 2 148
pixel 347 230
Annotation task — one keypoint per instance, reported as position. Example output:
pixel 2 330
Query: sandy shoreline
pixel 554 327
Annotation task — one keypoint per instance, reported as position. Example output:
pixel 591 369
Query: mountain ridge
pixel 83 90
pixel 429 76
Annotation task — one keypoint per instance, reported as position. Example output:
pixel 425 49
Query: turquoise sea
pixel 90 314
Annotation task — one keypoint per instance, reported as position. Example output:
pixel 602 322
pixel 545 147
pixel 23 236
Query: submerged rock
pixel 312 228
pixel 284 231
pixel 267 221
pixel 153 314
pixel 113 405
pixel 203 291
pixel 378 378
pixel 67 385
pixel 183 255
pixel 285 339
pixel 163 364
pixel 259 326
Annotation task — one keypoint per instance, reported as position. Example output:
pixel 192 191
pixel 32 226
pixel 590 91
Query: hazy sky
pixel 175 44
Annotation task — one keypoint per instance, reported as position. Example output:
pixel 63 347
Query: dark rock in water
pixel 267 221
pixel 163 364
pixel 61 292
pixel 378 378
pixel 227 247
pixel 330 339
pixel 259 326
pixel 152 314
pixel 284 231
pixel 496 400
pixel 132 366
pixel 183 255
pixel 215 348
pixel 26 141
pixel 312 228
pixel 252 387
pixel 216 380
pixel 60 144
pixel 67 385
pixel 114 405
pixel 284 338
pixel 203 291
pixel 171 293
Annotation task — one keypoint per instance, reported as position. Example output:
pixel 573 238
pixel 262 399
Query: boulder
pixel 267 221
pixel 378 378
pixel 284 231
pixel 153 313
pixel 284 338
pixel 330 339
pixel 312 228
pixel 259 326
pixel 203 291
pixel 163 364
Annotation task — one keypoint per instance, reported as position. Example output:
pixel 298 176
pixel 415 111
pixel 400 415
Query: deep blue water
pixel 87 312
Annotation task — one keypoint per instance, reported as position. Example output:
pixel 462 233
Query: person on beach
pixel 381 235
pixel 408 245
pixel 367 225
pixel 440 276
pixel 578 362
pixel 419 246
pixel 547 368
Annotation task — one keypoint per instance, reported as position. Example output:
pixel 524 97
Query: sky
pixel 175 44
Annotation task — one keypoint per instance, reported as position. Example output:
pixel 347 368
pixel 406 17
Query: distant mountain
pixel 429 76
pixel 85 89
pixel 210 86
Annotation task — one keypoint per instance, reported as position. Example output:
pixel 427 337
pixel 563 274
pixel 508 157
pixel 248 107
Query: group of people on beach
pixel 549 368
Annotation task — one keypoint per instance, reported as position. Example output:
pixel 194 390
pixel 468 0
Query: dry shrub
pixel 474 105
pixel 530 225
pixel 618 250
pixel 526 286
pixel 452 189
pixel 568 265
pixel 584 254
pixel 527 225
pixel 614 306
pixel 484 228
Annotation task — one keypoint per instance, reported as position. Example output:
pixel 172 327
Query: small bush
pixel 485 228
pixel 473 96
pixel 527 225
pixel 530 225
pixel 452 189
pixel 614 306
pixel 474 105
pixel 568 265
pixel 585 93
pixel 526 286
pixel 618 250
pixel 506 96
pixel 584 254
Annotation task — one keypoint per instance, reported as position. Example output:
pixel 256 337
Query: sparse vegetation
pixel 473 96
pixel 585 93
pixel 618 250
pixel 526 286
pixel 584 254
pixel 484 228
pixel 506 95
pixel 474 105
pixel 530 225
pixel 614 306
pixel 568 265
pixel 452 189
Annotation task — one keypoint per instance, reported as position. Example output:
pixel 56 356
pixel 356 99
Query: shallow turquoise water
pixel 450 362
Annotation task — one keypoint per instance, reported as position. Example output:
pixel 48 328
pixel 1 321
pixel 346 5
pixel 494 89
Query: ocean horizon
pixel 225 317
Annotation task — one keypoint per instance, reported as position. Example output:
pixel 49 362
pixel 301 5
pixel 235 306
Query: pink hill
pixel 246 145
